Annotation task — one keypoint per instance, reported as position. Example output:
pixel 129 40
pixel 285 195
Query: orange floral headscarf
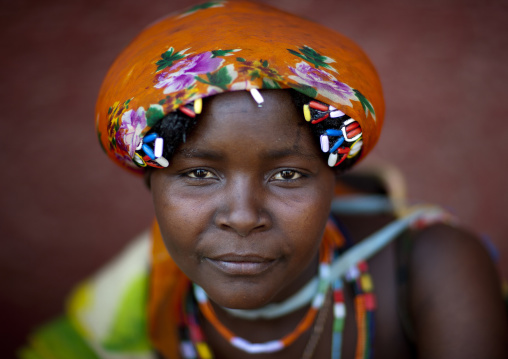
pixel 221 46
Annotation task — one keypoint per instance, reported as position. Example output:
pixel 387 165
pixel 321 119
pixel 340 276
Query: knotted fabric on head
pixel 221 46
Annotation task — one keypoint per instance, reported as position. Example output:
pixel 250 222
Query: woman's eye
pixel 200 173
pixel 286 175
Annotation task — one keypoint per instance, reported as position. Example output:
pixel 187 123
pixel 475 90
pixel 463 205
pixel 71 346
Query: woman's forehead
pixel 276 103
pixel 235 119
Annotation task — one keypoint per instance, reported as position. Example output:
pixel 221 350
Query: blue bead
pixel 337 145
pixel 334 132
pixel 151 137
pixel 149 152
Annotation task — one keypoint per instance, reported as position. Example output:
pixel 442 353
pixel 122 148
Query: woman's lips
pixel 241 265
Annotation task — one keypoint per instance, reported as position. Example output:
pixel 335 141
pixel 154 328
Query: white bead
pixel 200 294
pixel 162 161
pixel 318 301
pixel 325 143
pixel 339 310
pixel 158 147
pixel 336 114
pixel 352 273
pixel 257 96
pixel 268 347
pixel 332 159
pixel 357 146
pixel 187 350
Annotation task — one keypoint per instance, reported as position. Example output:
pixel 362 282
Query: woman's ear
pixel 147 175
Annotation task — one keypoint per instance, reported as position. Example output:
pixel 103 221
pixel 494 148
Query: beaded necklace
pixel 274 345
pixel 192 340
pixel 361 283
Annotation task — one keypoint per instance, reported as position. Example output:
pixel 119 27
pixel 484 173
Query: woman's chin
pixel 240 299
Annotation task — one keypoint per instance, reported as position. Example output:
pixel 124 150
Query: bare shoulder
pixel 455 296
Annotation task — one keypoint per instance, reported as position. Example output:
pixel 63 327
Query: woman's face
pixel 243 205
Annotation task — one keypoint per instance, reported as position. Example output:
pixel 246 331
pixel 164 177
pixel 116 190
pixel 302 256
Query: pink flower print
pixel 323 82
pixel 128 135
pixel 182 74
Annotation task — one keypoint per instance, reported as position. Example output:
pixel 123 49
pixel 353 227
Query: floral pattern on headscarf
pixel 323 83
pixel 179 75
pixel 182 74
pixel 128 135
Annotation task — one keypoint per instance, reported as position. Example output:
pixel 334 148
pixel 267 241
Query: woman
pixel 241 117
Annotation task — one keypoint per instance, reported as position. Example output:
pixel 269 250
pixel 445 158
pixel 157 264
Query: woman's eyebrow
pixel 289 152
pixel 199 153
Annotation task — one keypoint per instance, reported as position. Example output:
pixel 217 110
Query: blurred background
pixel 65 209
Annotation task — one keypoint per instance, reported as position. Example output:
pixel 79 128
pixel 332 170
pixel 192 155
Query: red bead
pixel 338 296
pixel 352 126
pixel 195 333
pixel 318 106
pixel 363 266
pixel 187 111
pixel 320 119
pixel 151 163
pixel 343 158
pixel 370 301
pixel 355 132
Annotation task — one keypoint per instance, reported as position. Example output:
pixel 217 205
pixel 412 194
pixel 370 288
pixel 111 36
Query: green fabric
pixel 57 340
pixel 128 332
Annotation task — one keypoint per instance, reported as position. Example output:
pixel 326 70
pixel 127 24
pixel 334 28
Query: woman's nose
pixel 243 209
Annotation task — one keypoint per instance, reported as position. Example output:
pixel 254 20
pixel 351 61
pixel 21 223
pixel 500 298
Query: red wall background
pixel 65 209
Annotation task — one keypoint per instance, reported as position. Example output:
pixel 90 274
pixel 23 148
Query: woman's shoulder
pixel 455 297
pixel 437 286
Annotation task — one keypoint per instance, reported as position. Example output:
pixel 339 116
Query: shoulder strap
pixel 378 240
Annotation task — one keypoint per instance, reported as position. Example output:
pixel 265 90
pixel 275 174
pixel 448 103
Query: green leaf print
pixel 168 58
pixel 216 53
pixel 206 5
pixel 312 56
pixel 220 78
pixel 154 114
pixel 367 106
pixel 306 90
pixel 254 75
pixel 269 84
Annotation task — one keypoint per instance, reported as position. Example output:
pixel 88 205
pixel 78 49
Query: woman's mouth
pixel 241 265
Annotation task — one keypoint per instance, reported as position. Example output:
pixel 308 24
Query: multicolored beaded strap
pixel 192 339
pixel 362 286
pixel 365 305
